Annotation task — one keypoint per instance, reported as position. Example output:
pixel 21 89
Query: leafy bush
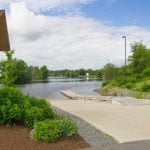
pixel 131 79
pixel 52 130
pixel 146 72
pixel 105 83
pixel 10 114
pixel 43 104
pixel 143 86
pixel 129 85
pixel 36 110
pixel 37 102
pixel 139 95
pixel 104 90
pixel 33 115
pixel 47 131
pixel 11 100
pixel 15 106
pixel 67 128
pixel 121 81
pixel 12 95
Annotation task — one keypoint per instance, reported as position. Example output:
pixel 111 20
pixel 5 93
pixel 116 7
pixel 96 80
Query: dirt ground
pixel 17 138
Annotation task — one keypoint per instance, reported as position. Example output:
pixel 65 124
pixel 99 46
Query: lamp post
pixel 124 37
pixel 76 84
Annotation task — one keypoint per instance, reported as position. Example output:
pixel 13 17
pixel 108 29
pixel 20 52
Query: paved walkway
pixel 123 123
pixel 131 101
pixel 76 96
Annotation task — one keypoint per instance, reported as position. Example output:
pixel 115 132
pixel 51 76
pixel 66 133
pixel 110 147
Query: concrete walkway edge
pixel 96 138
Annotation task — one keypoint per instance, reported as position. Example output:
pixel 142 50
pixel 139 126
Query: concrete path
pixel 140 145
pixel 76 96
pixel 123 123
pixel 131 101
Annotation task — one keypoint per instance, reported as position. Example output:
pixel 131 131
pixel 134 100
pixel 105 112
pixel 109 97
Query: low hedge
pixel 16 107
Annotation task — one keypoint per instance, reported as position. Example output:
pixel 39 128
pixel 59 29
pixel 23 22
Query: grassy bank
pixel 118 91
pixel 132 79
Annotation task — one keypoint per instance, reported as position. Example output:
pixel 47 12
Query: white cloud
pixel 68 42
pixel 47 5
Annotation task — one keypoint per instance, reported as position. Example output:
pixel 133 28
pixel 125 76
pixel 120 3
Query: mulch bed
pixel 17 138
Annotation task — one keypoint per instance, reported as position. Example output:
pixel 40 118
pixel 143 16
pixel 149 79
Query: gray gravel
pixel 96 138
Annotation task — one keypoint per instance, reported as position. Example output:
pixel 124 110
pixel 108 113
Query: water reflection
pixel 52 87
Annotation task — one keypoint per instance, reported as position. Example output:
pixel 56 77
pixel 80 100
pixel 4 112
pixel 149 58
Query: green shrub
pixel 10 114
pixel 67 128
pixel 104 90
pixel 52 130
pixel 105 83
pixel 39 106
pixel 37 102
pixel 32 115
pixel 146 72
pixel 11 94
pixel 145 87
pixel 131 79
pixel 139 95
pixel 44 105
pixel 47 131
pixel 129 85
pixel 15 106
pixel 121 82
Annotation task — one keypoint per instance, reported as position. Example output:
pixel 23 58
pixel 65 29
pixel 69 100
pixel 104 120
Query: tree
pixel 16 71
pixel 109 71
pixel 140 58
pixel 8 69
pixel 44 72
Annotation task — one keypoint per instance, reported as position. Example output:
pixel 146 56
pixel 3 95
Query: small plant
pixel 32 115
pixel 47 131
pixel 139 95
pixel 11 94
pixel 37 102
pixel 67 128
pixel 105 90
pixel 145 87
pixel 115 93
pixel 52 130
pixel 10 114
pixel 42 104
pixel 129 85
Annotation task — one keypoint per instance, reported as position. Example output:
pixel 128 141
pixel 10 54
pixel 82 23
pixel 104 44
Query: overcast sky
pixel 75 33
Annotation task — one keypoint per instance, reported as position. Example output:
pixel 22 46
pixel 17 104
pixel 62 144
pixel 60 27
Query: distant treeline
pixel 16 71
pixel 76 73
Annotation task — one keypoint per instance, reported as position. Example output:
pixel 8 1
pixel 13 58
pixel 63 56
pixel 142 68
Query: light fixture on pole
pixel 124 37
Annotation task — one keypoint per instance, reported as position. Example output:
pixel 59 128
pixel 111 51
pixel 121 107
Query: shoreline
pixel 116 91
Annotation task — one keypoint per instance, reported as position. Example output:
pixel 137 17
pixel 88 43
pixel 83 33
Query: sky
pixel 73 34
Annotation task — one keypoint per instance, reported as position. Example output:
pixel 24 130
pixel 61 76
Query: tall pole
pixel 125 52
pixel 76 85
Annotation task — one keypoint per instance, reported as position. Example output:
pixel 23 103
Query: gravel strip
pixel 93 136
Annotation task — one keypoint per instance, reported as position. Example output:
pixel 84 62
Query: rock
pixel 31 133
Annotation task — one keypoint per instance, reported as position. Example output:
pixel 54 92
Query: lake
pixel 52 87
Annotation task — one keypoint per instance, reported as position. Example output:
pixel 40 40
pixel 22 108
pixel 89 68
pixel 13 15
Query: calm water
pixel 52 87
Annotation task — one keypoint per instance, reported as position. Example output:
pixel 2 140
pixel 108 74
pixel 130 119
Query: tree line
pixel 78 73
pixel 16 71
